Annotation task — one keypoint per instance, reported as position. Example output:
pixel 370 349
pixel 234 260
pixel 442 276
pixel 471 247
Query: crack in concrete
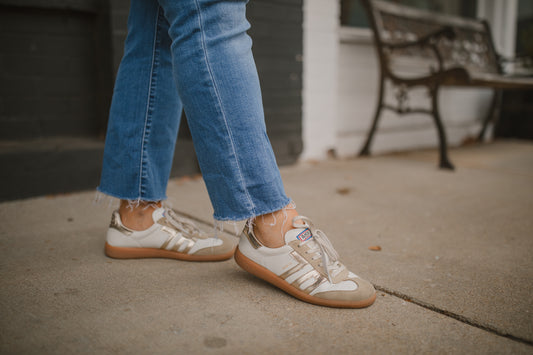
pixel 453 315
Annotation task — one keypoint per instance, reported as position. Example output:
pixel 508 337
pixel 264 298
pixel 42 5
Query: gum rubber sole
pixel 140 253
pixel 267 275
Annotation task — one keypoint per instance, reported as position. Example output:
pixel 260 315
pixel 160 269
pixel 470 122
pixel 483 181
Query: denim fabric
pixel 195 55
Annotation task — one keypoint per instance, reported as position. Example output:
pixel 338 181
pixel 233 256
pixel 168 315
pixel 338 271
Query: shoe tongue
pixel 158 214
pixel 301 234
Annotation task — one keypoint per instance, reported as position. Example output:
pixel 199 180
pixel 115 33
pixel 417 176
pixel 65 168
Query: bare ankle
pixel 137 215
pixel 270 228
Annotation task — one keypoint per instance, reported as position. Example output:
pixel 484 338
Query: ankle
pixel 137 216
pixel 270 228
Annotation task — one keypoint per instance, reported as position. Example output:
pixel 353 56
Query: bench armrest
pixel 518 58
pixel 509 65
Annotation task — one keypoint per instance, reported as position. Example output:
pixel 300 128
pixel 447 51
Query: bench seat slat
pixel 498 81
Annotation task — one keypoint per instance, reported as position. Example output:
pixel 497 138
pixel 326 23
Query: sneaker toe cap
pixel 365 291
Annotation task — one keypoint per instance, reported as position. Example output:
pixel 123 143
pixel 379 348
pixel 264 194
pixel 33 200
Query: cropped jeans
pixel 191 55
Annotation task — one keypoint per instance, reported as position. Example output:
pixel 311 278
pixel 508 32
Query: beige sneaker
pixel 306 267
pixel 169 237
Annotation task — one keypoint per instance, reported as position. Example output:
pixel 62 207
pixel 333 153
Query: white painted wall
pixel 501 15
pixel 320 99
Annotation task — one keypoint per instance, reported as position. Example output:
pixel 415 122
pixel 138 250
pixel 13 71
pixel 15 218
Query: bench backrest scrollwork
pixel 471 46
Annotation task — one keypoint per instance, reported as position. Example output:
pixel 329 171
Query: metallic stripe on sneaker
pixel 169 237
pixel 307 269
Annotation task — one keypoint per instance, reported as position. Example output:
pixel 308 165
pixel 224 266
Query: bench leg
pixel 365 151
pixel 493 113
pixel 443 146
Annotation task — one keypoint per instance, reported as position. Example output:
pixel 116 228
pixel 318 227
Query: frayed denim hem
pixel 218 224
pixel 252 215
pixel 103 197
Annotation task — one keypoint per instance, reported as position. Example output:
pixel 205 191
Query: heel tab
pixel 248 231
pixel 116 223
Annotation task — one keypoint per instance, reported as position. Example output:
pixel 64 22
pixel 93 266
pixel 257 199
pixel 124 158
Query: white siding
pixel 320 100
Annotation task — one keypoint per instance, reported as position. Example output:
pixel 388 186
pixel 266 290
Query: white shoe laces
pixel 183 225
pixel 321 247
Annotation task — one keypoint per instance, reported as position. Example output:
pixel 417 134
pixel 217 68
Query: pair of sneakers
pixel 306 267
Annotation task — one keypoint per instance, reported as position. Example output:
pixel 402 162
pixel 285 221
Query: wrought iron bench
pixel 448 51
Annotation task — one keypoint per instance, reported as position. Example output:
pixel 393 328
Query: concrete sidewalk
pixel 455 270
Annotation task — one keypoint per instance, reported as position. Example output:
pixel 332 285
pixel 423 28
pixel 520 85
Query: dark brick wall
pixel 516 117
pixel 278 39
pixel 119 20
pixel 56 81
pixel 58 59
pixel 46 64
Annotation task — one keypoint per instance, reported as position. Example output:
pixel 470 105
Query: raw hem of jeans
pixel 253 215
pixel 103 196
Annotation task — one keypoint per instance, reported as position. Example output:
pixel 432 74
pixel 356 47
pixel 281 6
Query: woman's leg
pixel 142 131
pixel 217 81
pixel 145 111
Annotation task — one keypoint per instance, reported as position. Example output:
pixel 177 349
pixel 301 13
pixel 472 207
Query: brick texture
pixel 58 59
pixel 47 66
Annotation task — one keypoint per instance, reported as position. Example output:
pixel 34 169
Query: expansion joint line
pixel 453 315
pixel 407 298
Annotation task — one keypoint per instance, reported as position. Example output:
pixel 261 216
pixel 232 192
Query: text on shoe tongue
pixel 304 235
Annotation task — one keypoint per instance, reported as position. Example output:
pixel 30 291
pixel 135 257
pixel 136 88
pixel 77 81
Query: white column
pixel 502 15
pixel 320 96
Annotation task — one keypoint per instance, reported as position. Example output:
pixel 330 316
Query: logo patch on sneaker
pixel 304 235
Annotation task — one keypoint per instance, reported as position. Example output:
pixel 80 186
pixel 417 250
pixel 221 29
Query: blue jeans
pixel 193 55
